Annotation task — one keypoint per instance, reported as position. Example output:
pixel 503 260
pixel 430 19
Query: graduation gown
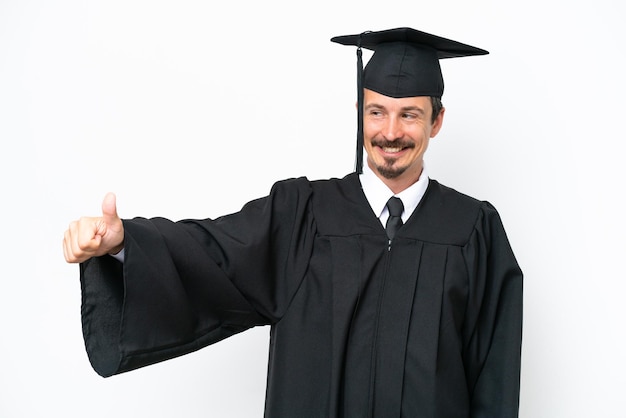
pixel 427 326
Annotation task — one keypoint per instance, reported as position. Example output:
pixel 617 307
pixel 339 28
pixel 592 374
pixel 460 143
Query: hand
pixel 95 236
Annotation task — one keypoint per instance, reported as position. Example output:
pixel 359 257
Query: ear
pixel 437 123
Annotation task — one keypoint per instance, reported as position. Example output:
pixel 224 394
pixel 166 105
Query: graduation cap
pixel 405 63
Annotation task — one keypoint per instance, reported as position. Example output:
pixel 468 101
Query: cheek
pixel 421 134
pixel 369 129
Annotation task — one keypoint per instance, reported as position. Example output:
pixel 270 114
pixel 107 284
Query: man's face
pixel 396 133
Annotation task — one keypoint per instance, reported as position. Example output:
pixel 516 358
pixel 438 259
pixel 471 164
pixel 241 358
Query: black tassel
pixel 359 132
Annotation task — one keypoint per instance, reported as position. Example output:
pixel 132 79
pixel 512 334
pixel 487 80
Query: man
pixel 418 319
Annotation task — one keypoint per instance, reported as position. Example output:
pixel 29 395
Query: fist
pixel 95 236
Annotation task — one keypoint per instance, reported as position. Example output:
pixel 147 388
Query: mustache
pixel 383 143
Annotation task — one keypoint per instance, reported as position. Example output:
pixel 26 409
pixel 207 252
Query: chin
pixel 390 172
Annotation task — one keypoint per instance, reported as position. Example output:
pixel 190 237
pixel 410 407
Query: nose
pixel 392 129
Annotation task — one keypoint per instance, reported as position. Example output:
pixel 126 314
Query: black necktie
pixel 395 207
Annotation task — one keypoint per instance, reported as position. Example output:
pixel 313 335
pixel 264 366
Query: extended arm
pixel 187 284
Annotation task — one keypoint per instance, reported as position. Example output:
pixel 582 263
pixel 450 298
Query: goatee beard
pixel 389 170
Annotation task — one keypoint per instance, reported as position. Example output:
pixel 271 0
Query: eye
pixel 409 116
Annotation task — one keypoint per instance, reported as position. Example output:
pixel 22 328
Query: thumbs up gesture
pixel 95 236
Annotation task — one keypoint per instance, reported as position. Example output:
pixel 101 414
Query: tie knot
pixel 395 206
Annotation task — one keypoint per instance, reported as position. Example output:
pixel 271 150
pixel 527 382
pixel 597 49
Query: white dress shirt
pixel 378 193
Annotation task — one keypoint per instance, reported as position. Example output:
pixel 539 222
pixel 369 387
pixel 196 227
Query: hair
pixel 437 106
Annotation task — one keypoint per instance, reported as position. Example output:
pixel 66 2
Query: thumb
pixel 109 209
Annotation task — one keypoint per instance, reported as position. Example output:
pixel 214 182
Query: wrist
pixel 115 250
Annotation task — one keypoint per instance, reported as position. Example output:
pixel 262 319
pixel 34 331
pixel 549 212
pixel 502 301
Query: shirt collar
pixel 377 193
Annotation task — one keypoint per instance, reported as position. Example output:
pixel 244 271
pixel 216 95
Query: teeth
pixel 391 150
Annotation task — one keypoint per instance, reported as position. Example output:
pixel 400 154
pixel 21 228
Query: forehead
pixel 372 98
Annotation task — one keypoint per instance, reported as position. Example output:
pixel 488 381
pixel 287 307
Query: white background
pixel 191 108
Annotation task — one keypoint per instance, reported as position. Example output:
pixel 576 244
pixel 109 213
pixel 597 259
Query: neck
pixel 403 181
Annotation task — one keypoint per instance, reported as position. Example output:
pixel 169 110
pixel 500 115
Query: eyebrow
pixel 374 105
pixel 413 109
pixel 403 109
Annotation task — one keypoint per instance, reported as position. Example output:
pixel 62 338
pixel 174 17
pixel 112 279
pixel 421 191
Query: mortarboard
pixel 405 63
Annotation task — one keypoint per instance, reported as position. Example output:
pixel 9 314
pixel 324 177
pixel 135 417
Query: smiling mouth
pixel 392 150
pixel 393 147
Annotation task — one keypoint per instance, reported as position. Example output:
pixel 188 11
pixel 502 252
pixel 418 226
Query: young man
pixel 421 318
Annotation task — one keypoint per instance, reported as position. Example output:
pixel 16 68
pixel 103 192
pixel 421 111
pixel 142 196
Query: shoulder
pixel 320 190
pixel 462 203
pixel 341 208
pixel 293 183
pixel 449 216
pixel 290 189
pixel 350 181
pixel 448 196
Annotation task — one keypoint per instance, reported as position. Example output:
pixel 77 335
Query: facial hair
pixel 390 170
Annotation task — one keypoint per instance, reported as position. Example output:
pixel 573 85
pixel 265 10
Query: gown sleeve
pixel 493 331
pixel 184 285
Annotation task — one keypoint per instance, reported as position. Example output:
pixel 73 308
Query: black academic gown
pixel 429 326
